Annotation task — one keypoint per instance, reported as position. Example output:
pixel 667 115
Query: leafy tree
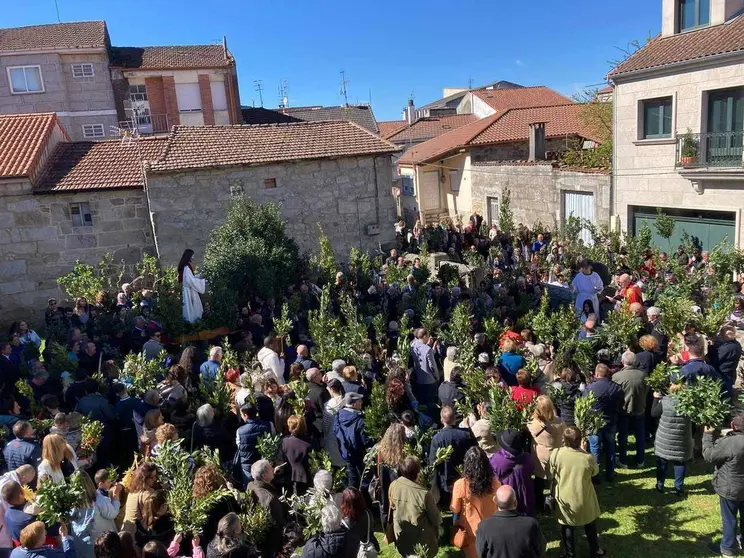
pixel 325 261
pixel 248 255
pixel 506 217
pixel 596 115
pixel 87 281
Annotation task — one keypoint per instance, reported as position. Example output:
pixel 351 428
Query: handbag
pixel 550 503
pixel 389 527
pixel 458 536
pixel 375 485
pixel 367 548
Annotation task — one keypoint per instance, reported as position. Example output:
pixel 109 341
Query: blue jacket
pixel 247 437
pixel 96 407
pixel 125 411
pixel 609 397
pixel 696 368
pixel 68 551
pixel 509 365
pixel 22 451
pixel 209 370
pixel 348 427
pixel 424 366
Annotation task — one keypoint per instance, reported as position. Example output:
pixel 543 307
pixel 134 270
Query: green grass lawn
pixel 637 520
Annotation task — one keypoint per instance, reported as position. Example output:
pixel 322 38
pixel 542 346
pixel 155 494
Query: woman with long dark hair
pixel 472 497
pixel 193 286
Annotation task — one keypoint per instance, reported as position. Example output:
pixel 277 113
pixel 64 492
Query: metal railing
pixel 714 149
pixel 146 124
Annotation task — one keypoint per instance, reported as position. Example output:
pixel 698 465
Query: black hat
pixel 512 441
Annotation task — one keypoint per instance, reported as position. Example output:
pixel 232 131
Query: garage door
pixel 429 191
pixel 711 227
pixel 581 205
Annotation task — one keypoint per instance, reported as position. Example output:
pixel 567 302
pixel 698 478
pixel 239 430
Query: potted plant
pixel 690 148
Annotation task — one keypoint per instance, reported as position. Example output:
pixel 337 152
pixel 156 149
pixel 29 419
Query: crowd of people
pixel 495 484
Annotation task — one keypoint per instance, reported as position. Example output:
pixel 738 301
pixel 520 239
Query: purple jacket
pixel 516 471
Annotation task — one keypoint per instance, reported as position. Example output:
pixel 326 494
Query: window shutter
pixel 219 98
pixel 189 97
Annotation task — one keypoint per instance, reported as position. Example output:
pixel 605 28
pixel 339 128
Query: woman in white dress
pixel 193 286
pixel 587 285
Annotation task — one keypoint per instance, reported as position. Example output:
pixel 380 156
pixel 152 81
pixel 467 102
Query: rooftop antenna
pixel 56 6
pixel 344 93
pixel 470 82
pixel 370 96
pixel 259 87
pixel 283 97
pixel 224 45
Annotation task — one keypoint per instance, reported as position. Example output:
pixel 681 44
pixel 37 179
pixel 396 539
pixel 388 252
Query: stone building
pixel 337 174
pixel 467 169
pixel 679 124
pixel 63 201
pixel 72 69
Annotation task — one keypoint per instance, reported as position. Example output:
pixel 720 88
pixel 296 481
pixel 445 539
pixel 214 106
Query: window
pixel 406 183
pixel 693 13
pixel 454 180
pixel 270 183
pixel 189 97
pixel 93 131
pixel 25 79
pixel 219 99
pixel 82 70
pixel 657 118
pixel 137 93
pixel 493 211
pixel 80 213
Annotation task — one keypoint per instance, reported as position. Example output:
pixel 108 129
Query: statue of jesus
pixel 193 286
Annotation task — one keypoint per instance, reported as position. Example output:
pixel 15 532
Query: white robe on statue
pixel 192 287
pixel 587 287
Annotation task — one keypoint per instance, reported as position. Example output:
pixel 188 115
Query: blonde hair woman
pixel 54 450
pixel 546 430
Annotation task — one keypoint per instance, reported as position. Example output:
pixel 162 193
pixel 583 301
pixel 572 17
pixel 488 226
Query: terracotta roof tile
pixel 359 114
pixel 22 141
pixel 448 142
pixel 167 57
pixel 515 124
pixel 57 36
pixel 87 165
pixel 390 127
pixel 217 146
pixel 502 127
pixel 692 45
pixel 522 97
pixel 430 127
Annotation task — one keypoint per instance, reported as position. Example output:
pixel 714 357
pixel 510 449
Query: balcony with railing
pixel 710 150
pixel 146 123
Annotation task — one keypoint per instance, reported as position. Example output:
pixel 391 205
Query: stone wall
pixel 38 242
pixel 516 151
pixel 537 190
pixel 344 195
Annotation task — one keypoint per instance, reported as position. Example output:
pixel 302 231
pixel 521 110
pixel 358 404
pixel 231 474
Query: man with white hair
pixel 449 362
pixel 632 380
pixel 630 292
pixel 653 328
pixel 506 533
pixel 337 367
pixel 268 498
pixel 209 369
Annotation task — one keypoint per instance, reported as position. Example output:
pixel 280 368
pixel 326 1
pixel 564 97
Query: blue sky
pixel 389 50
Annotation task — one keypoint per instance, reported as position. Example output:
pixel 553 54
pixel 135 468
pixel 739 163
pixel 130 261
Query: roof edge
pixel 692 64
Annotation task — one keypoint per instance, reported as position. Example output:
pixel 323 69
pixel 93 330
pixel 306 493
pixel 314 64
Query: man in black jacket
pixel 610 398
pixel 506 533
pixel 450 392
pixel 318 396
pixel 461 441
pixel 725 355
pixel 727 454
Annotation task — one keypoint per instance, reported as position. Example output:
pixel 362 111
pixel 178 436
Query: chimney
pixel 410 112
pixel 537 141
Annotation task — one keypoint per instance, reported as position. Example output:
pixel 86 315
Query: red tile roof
pixel 217 146
pixel 22 141
pixel 57 36
pixel 87 165
pixel 559 121
pixel 168 57
pixel 523 97
pixel 389 127
pixel 692 45
pixel 430 127
pixel 448 142
pixel 503 127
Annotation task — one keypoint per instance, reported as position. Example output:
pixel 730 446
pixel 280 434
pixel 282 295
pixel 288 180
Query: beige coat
pixel 133 510
pixel 545 438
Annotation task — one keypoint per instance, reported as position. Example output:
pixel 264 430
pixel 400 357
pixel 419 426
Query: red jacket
pixel 523 395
